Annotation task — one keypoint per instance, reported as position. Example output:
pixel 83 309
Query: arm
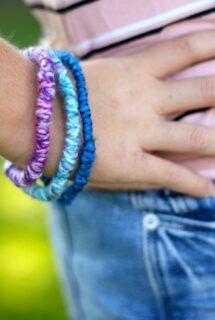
pixel 18 92
pixel 129 104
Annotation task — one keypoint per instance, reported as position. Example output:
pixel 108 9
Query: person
pixel 138 243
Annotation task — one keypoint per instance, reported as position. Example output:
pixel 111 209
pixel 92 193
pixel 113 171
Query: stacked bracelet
pixel 46 88
pixel 52 66
pixel 56 186
pixel 87 155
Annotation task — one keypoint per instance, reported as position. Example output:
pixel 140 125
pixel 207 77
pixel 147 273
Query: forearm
pixel 129 104
pixel 18 94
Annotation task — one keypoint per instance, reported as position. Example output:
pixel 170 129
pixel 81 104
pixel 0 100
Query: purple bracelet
pixel 46 89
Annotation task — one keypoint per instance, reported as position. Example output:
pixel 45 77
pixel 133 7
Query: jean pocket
pixel 186 255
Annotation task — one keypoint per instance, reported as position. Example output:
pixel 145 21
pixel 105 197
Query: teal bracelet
pixel 58 184
pixel 88 149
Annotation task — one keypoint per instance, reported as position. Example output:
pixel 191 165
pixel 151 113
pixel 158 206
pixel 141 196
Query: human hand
pixel 131 105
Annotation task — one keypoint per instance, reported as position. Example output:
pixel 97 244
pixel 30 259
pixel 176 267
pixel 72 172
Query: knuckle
pixel 198 139
pixel 186 45
pixel 201 188
pixel 162 109
pixel 207 87
pixel 173 177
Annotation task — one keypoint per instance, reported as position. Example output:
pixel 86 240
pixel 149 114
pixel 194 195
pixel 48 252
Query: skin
pixel 131 105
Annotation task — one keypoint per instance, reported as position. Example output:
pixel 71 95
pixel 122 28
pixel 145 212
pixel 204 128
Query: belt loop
pixel 135 200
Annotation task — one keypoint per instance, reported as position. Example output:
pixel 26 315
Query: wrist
pixel 18 92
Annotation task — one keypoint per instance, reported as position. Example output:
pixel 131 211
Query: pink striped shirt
pixel 103 28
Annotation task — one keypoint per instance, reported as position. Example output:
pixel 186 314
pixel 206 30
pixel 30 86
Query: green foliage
pixel 28 282
pixel 17 24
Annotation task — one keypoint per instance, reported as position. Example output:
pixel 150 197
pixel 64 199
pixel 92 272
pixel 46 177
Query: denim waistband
pixel 162 200
pixel 168 201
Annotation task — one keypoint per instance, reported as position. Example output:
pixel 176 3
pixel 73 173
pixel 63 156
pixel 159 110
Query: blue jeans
pixel 137 255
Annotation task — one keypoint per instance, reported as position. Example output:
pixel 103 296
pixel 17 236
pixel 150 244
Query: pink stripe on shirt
pixel 107 28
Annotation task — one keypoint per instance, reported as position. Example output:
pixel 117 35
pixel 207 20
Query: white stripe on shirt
pixel 109 36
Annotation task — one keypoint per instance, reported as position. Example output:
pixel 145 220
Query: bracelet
pixel 46 88
pixel 56 186
pixel 87 155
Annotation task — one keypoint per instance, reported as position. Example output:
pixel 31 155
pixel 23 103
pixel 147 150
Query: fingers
pixel 121 186
pixel 187 94
pixel 161 174
pixel 174 55
pixel 173 176
pixel 180 137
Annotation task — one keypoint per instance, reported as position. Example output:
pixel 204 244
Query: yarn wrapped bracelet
pixel 46 88
pixel 57 185
pixel 87 155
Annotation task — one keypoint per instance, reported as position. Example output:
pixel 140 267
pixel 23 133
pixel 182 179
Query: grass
pixel 28 282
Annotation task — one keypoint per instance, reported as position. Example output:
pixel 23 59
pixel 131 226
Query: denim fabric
pixel 137 255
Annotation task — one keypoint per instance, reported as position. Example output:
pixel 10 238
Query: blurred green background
pixel 28 282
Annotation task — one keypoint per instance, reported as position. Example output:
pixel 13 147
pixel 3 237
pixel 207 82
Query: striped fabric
pixel 89 27
pixel 103 28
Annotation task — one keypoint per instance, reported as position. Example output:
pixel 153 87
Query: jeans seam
pixel 138 203
pixel 153 280
pixel 81 313
pixel 160 275
pixel 175 204
pixel 189 228
pixel 187 224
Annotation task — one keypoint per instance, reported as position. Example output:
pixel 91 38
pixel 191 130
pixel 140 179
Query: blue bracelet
pixel 56 186
pixel 87 155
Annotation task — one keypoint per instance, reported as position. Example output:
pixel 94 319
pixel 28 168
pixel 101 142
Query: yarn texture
pixel 46 90
pixel 87 153
pixel 54 187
